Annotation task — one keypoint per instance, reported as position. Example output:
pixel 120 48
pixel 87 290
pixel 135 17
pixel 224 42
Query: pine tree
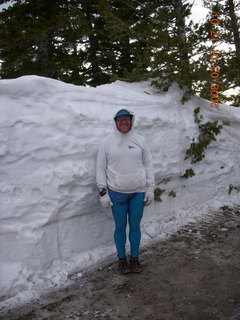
pixel 127 45
pixel 26 39
pixel 96 42
pixel 227 45
pixel 35 38
pixel 233 61
pixel 173 46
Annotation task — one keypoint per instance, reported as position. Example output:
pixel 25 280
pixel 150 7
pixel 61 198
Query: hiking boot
pixel 124 266
pixel 135 265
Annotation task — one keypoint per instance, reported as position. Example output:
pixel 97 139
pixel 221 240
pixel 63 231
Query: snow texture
pixel 51 222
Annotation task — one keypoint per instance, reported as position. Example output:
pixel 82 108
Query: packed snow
pixel 52 224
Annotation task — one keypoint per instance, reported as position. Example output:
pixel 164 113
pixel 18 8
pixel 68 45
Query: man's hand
pixel 149 197
pixel 106 201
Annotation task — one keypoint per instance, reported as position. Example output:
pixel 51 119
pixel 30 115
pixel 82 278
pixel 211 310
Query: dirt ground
pixel 194 275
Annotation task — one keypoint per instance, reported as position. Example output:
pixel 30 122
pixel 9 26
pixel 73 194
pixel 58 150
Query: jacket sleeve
pixel 148 164
pixel 101 170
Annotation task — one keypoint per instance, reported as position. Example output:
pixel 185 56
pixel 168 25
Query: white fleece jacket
pixel 124 163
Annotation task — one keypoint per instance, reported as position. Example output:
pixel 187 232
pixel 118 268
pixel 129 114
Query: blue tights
pixel 130 209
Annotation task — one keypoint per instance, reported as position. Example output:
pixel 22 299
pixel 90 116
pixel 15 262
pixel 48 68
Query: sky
pixel 199 13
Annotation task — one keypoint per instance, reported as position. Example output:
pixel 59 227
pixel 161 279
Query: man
pixel 125 179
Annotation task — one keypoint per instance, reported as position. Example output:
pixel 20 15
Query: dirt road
pixel 194 275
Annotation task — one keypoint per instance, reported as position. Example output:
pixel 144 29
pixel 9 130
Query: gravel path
pixel 194 275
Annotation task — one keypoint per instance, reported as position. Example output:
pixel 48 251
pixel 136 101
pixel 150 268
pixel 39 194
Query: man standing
pixel 125 179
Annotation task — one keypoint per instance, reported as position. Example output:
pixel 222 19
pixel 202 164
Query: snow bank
pixel 51 220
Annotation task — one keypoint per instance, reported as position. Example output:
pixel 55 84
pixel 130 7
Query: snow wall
pixel 51 221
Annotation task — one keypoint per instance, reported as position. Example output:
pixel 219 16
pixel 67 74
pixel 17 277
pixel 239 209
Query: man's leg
pixel 120 218
pixel 136 206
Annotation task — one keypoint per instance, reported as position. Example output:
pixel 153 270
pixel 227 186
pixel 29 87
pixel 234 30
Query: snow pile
pixel 51 221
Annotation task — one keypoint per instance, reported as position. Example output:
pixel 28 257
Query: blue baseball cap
pixel 123 112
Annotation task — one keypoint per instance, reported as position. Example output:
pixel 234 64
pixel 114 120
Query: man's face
pixel 124 124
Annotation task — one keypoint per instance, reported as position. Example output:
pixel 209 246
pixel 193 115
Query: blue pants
pixel 130 208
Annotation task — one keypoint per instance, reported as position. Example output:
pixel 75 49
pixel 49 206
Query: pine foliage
pixel 96 42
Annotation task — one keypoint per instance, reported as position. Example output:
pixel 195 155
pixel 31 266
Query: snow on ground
pixel 51 221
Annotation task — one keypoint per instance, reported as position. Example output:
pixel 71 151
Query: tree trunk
pixel 234 27
pixel 180 23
